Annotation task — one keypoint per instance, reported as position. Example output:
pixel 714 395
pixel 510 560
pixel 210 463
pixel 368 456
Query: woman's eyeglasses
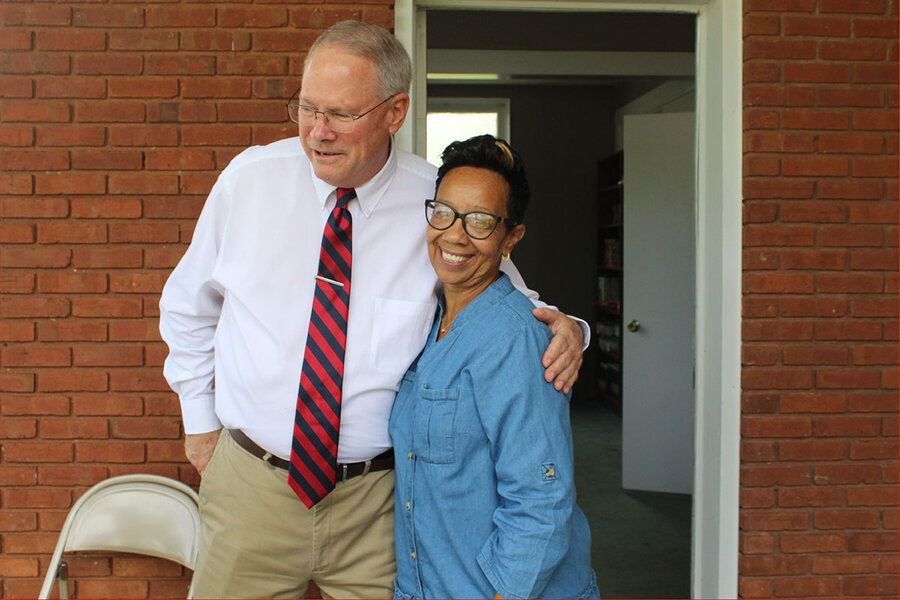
pixel 477 224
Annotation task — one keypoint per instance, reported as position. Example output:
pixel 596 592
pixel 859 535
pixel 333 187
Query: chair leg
pixel 63 573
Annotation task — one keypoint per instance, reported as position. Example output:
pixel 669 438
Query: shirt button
pixel 413 555
pixel 410 456
pixel 407 506
pixel 550 473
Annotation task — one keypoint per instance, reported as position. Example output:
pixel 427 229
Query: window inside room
pixel 451 119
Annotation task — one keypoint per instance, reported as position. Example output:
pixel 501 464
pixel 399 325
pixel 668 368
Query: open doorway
pixel 569 80
pixel 715 529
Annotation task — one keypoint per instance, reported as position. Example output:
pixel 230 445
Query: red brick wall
pixel 114 121
pixel 819 451
pixel 115 118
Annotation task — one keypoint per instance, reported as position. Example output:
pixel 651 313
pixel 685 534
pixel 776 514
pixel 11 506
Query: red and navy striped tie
pixel 313 469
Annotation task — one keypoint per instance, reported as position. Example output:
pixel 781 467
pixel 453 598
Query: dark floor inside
pixel 641 541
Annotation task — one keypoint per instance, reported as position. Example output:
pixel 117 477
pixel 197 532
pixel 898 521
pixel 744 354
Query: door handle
pixel 634 325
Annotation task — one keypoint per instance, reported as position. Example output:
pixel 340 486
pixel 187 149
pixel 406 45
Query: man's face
pixel 339 81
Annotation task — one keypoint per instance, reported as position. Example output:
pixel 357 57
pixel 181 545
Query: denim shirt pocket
pixel 434 418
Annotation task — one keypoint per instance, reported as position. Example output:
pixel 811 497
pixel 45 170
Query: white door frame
pixel 714 560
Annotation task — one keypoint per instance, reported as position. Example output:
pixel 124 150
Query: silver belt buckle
pixel 344 472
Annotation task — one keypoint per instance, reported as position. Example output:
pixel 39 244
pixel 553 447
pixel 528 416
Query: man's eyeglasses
pixel 477 224
pixel 338 122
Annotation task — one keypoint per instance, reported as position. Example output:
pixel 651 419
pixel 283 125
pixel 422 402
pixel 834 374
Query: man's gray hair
pixel 393 70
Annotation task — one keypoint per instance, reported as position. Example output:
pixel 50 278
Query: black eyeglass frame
pixel 430 204
pixel 353 118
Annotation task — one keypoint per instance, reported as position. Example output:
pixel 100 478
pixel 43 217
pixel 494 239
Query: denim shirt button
pixel 410 456
pixel 407 506
pixel 413 555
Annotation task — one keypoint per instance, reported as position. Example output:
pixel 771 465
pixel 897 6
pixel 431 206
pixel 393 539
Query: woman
pixel 485 497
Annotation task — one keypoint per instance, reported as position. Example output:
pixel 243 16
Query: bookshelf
pixel 608 321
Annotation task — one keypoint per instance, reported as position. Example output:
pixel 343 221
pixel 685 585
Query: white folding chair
pixel 140 514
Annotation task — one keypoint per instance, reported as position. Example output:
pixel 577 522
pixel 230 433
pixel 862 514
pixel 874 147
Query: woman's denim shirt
pixel 485 496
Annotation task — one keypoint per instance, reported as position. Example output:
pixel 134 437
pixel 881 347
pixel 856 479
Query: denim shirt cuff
pixel 488 568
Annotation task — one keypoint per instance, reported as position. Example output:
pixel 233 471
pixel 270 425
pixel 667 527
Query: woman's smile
pixel 453 257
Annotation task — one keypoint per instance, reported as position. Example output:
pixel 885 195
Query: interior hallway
pixel 641 542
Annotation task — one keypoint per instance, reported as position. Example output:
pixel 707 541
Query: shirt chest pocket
pixel 434 424
pixel 399 329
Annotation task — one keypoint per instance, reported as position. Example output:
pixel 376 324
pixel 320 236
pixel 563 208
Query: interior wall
pixel 558 255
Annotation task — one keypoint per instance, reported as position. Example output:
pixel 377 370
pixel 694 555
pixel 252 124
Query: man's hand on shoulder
pixel 198 447
pixel 563 359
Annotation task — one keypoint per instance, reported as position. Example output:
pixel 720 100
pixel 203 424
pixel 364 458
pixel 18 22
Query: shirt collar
pixel 368 194
pixel 484 301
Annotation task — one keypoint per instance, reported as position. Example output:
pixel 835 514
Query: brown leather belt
pixel 382 462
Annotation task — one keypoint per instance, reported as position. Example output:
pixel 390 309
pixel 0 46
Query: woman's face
pixel 460 261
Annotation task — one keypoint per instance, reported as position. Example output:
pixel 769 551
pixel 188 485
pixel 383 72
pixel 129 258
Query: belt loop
pixel 367 467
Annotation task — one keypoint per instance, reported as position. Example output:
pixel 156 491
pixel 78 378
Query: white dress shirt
pixel 235 310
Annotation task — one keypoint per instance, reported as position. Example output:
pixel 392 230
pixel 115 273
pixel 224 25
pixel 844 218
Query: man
pixel 243 315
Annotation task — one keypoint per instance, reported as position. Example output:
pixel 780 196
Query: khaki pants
pixel 258 540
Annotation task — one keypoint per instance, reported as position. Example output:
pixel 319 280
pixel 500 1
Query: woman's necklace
pixel 447 328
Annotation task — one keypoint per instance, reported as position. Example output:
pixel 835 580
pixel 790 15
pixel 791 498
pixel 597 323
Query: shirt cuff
pixel 494 578
pixel 199 414
pixel 585 331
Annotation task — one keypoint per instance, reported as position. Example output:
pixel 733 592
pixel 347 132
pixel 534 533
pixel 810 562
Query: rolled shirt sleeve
pixel 527 423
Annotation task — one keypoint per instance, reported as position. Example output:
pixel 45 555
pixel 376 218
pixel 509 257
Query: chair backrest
pixel 140 514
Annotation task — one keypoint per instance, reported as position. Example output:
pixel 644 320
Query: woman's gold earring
pixel 506 256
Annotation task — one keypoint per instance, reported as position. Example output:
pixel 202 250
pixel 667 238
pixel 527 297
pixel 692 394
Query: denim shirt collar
pixel 484 301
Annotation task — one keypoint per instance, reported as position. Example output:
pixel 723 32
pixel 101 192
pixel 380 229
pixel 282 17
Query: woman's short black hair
pixel 488 152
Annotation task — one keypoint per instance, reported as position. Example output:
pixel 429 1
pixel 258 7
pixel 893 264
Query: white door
pixel 658 303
